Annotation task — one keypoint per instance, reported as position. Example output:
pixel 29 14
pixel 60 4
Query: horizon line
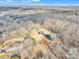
pixel 39 5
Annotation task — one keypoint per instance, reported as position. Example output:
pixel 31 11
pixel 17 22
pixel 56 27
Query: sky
pixel 39 2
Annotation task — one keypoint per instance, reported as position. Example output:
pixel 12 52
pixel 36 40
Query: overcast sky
pixel 39 2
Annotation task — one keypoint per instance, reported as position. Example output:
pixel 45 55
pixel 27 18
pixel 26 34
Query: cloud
pixel 9 0
pixel 19 1
pixel 35 0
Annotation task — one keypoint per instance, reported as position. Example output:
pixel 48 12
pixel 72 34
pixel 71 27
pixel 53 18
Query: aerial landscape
pixel 39 32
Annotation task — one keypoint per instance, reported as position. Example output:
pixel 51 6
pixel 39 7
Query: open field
pixel 25 31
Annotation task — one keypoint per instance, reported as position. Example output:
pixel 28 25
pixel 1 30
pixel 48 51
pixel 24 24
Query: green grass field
pixel 15 57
